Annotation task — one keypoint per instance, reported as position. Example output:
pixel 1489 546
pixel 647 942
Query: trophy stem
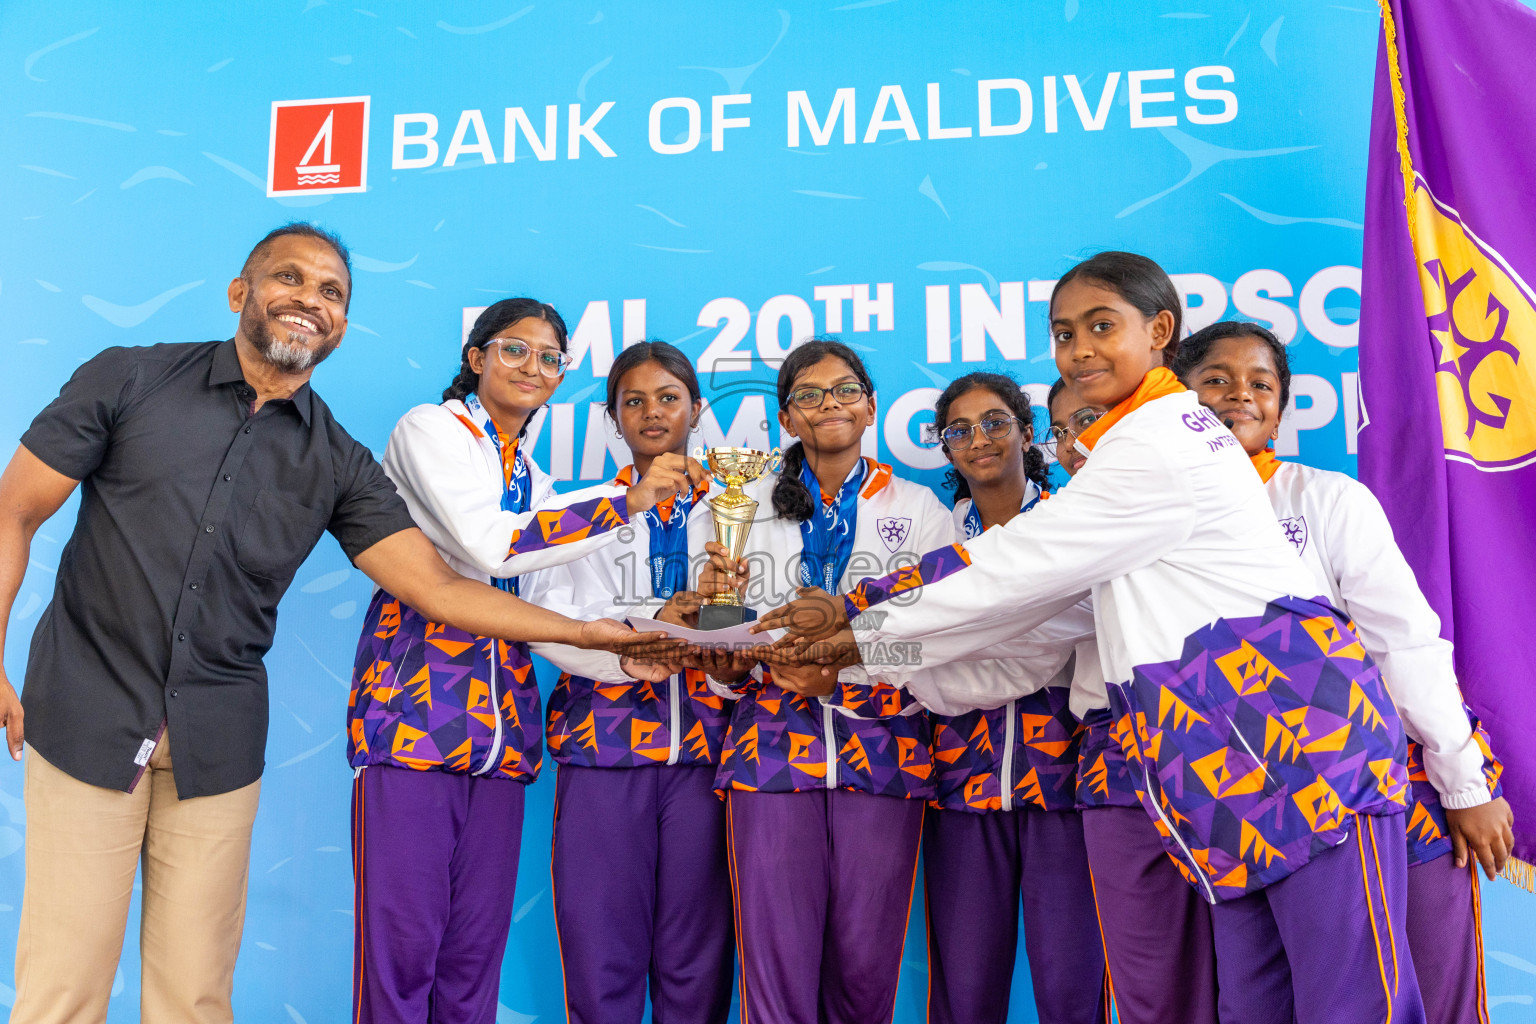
pixel 733 514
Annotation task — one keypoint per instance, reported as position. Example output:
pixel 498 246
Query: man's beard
pixel 289 354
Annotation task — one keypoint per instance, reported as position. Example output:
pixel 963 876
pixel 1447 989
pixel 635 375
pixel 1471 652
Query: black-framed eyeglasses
pixel 958 438
pixel 811 397
pixel 1068 433
pixel 514 355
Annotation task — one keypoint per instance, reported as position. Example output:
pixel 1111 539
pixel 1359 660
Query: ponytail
pixel 791 498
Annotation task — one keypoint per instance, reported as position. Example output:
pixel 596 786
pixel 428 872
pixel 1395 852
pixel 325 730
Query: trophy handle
pixel 775 460
pixel 698 454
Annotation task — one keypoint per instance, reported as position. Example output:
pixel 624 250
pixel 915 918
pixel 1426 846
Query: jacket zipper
pixel 676 719
pixel 494 753
pixel 1007 772
pixel 829 740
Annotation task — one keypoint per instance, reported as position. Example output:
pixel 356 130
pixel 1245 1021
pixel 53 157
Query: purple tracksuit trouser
pixel 434 871
pixel 1157 929
pixel 642 894
pixel 975 869
pixel 1445 933
pixel 1326 945
pixel 823 884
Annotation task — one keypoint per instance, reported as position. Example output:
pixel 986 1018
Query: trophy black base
pixel 724 616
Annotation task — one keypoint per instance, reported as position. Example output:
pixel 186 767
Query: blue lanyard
pixel 669 547
pixel 973 516
pixel 516 495
pixel 826 539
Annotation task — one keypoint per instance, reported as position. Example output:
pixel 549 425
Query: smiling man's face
pixel 293 302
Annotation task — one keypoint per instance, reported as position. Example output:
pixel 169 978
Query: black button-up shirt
pixel 194 516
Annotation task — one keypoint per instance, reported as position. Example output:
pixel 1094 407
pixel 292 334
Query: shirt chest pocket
pixel 278 534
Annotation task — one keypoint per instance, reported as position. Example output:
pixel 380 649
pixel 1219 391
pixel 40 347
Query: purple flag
pixel 1448 345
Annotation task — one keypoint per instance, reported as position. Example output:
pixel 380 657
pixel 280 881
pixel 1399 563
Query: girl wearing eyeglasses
pixel 1002 824
pixel 824 805
pixel 443 727
pixel 1070 416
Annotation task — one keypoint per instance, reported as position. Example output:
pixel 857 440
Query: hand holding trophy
pixel 733 513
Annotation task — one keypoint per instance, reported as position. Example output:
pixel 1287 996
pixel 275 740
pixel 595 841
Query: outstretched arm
pixel 1125 510
pixel 30 492
pixel 409 567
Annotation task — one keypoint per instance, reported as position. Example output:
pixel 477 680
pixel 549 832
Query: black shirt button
pixel 247 430
pixel 173 693
pixel 208 528
pixel 194 586
pixel 226 476
pixel 181 636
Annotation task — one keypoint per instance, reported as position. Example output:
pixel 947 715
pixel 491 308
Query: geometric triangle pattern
pixel 1428 835
pixel 777 742
pixel 1255 749
pixel 428 696
pixel 1104 775
pixel 629 724
pixel 968 752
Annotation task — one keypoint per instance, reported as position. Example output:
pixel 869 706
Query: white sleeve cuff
pixel 1464 799
pixel 1457 775
pixel 726 690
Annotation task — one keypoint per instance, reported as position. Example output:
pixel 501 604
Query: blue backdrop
pixel 667 171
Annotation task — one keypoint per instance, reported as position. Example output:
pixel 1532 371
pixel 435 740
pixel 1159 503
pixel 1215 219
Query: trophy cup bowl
pixel 733 513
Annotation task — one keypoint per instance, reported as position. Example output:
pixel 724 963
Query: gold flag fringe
pixel 1400 113
pixel 1520 873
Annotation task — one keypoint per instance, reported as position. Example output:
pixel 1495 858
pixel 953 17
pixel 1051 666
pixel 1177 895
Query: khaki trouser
pixel 83 845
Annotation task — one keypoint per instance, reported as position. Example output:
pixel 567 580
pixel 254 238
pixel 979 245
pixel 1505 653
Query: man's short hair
pixel 307 230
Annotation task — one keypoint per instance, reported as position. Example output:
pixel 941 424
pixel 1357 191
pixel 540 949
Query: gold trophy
pixel 733 513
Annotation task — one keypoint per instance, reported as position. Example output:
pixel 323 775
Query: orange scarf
pixel 626 478
pixel 1158 383
pixel 1266 463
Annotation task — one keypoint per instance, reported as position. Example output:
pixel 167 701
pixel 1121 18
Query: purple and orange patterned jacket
pixel 1023 754
pixel 598 717
pixel 871 738
pixel 1255 724
pixel 1104 776
pixel 431 697
pixel 1429 836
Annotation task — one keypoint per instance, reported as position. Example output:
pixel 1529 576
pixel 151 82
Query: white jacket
pixel 1166 524
pixel 450 478
pixel 1000 673
pixel 1344 538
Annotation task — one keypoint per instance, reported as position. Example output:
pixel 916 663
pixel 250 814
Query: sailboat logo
pixel 318 147
pixel 325 172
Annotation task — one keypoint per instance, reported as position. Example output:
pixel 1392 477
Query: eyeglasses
pixel 1076 424
pixel 812 397
pixel 514 355
pixel 958 438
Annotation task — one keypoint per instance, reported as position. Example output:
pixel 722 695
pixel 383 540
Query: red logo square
pixel 318 147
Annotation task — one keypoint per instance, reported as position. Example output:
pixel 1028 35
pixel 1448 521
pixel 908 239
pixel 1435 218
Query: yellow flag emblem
pixel 1479 313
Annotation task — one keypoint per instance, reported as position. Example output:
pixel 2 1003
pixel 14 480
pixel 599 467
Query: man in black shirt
pixel 208 472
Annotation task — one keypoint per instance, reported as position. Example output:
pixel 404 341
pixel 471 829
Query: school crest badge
pixel 1295 528
pixel 893 531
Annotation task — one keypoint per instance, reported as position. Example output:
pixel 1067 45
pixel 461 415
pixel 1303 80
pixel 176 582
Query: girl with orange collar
pixel 1240 372
pixel 825 801
pixel 1268 752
